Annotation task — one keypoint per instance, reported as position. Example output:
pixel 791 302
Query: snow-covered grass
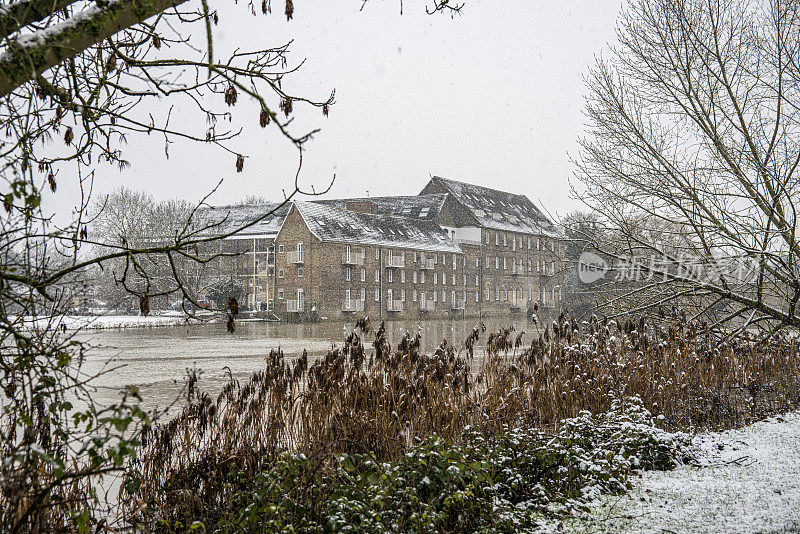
pixel 74 322
pixel 749 482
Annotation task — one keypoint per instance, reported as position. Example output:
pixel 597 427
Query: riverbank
pixel 101 322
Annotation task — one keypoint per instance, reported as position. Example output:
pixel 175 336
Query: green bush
pixel 507 482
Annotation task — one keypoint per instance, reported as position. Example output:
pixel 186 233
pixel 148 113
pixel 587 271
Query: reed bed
pixel 381 400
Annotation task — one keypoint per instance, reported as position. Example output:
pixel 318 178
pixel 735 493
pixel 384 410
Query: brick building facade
pixel 455 249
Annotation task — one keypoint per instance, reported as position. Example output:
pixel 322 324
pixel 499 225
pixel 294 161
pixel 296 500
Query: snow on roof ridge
pixel 407 233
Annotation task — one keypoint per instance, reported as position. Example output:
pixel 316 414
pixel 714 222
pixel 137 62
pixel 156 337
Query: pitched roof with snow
pixel 330 223
pixel 226 219
pixel 495 209
pixel 425 207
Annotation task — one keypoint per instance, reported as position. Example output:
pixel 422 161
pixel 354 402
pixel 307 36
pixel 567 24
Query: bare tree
pixel 77 79
pixel 692 154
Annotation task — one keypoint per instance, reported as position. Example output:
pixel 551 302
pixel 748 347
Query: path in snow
pixel 752 485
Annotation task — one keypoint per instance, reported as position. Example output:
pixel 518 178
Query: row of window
pixel 542 267
pixel 516 294
pixel 518 267
pixel 416 276
pixel 518 242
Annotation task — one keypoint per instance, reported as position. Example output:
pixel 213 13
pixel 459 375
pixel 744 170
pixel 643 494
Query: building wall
pixel 517 270
pixel 500 288
pixel 248 260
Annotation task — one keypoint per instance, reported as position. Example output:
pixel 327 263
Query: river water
pixel 157 359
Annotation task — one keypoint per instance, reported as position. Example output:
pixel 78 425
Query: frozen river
pixel 157 359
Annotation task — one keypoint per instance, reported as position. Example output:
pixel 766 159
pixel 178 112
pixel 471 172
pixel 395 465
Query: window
pixel 363 274
pixel 377 254
pixel 377 275
pixel 299 271
pixel 497 262
pixel 347 298
pixel 496 292
pixel 478 263
pixel 454 262
pixel 477 281
pixel 514 244
pixel 403 276
pixel 280 273
pixel 552 249
pixel 497 238
pixel 453 298
pixel 414 276
pixel 505 266
pixel 477 296
pixel 347 253
pixel 529 265
pixel 280 294
pixel 486 292
pixel 487 261
pixel 377 295
pixel 280 248
pixel 300 252
pixel 415 256
pixel 465 279
pixel 390 274
pixel 435 296
pixel 435 277
pixel 488 235
pixel 414 295
pixel 529 243
pixel 453 278
pixel 538 243
pixel 444 279
pixel 403 295
pixel 504 241
pixel 422 277
pixel 363 294
pixel 505 292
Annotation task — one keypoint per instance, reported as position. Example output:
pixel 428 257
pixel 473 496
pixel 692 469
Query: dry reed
pixel 380 401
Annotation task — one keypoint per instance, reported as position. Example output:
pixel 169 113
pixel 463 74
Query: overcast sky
pixel 492 97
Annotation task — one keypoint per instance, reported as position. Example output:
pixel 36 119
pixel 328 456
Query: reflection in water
pixel 157 359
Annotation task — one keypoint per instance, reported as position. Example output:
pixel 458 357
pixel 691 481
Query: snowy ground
pixel 73 322
pixel 751 484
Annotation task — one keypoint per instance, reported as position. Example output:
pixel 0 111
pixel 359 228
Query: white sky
pixel 493 97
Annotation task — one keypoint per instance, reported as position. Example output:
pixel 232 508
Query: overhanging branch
pixel 30 55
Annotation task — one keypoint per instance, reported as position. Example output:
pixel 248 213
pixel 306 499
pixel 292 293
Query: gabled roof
pixel 425 207
pixel 329 223
pixel 495 209
pixel 225 219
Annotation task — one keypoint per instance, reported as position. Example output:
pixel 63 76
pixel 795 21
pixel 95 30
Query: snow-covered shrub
pixel 507 482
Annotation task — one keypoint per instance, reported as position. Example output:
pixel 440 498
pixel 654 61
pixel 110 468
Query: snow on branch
pixel 17 15
pixel 34 53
